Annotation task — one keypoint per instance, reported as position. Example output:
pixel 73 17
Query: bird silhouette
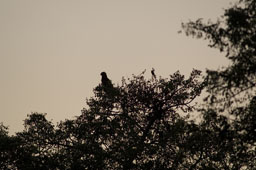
pixel 110 91
pixel 105 80
pixel 153 73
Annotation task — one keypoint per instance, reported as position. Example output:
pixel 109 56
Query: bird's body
pixel 105 81
pixel 153 73
pixel 108 87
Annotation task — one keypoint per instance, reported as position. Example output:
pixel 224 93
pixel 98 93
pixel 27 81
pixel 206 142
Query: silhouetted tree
pixel 136 131
pixel 235 35
pixel 140 128
pixel 145 123
pixel 230 106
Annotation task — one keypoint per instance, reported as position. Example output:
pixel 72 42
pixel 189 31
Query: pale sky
pixel 52 51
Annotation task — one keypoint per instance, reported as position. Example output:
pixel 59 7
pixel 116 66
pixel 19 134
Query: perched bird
pixel 153 73
pixel 105 81
pixel 110 91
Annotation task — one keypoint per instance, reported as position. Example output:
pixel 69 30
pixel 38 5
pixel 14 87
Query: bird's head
pixel 103 73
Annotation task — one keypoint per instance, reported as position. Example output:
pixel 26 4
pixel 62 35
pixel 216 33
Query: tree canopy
pixel 235 35
pixel 133 126
pixel 232 89
pixel 146 124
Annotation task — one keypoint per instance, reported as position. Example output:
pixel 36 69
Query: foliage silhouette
pixel 145 123
pixel 137 128
pixel 230 104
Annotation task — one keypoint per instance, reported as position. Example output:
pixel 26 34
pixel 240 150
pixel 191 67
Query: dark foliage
pixel 234 34
pixel 138 126
pixel 145 123
pixel 232 90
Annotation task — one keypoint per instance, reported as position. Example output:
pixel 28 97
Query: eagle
pixel 108 87
pixel 105 80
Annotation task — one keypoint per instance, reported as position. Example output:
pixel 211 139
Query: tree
pixel 140 127
pixel 135 128
pixel 230 104
pixel 145 123
pixel 235 35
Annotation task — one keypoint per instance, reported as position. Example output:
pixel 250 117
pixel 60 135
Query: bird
pixel 110 91
pixel 153 73
pixel 105 80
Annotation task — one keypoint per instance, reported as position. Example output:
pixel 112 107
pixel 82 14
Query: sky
pixel 53 51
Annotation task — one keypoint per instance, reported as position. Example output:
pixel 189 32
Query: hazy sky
pixel 52 51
